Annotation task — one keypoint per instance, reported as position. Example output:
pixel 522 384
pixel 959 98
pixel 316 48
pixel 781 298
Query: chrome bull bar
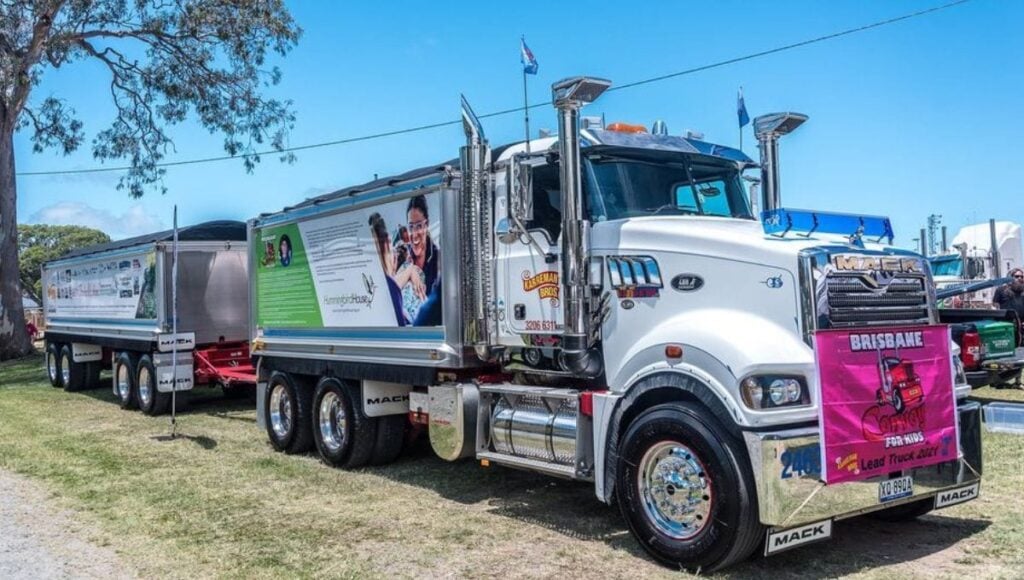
pixel 790 492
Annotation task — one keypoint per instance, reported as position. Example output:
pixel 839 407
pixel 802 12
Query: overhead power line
pixel 427 127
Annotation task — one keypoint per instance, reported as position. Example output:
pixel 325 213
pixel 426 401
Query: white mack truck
pixel 601 306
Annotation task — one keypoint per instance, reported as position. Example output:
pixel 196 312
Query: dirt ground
pixel 38 540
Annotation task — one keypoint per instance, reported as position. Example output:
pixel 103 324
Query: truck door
pixel 528 267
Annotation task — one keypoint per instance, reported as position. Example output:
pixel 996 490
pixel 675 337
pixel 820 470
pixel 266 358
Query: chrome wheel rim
pixel 124 383
pixel 332 421
pixel 675 490
pixel 65 369
pixel 280 411
pixel 51 366
pixel 145 390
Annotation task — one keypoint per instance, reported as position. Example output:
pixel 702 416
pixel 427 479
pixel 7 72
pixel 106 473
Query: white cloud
pixel 133 222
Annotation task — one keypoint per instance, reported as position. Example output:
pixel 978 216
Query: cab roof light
pixel 620 127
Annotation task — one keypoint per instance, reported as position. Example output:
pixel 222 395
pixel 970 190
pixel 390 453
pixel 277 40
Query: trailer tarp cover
pixel 214 231
pixel 377 184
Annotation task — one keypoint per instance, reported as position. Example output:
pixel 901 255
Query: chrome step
pixel 563 471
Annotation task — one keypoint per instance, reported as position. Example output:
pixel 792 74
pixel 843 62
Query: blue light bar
pixel 802 222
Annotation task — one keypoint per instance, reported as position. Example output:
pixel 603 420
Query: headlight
pixel 770 391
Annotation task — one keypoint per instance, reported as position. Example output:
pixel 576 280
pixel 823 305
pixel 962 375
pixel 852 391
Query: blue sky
pixel 906 120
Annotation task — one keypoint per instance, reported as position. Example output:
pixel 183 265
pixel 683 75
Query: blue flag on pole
pixel 526 55
pixel 741 110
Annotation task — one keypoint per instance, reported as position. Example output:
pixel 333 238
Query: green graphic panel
pixel 146 309
pixel 285 294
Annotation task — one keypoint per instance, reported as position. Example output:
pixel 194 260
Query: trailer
pixel 111 306
pixel 604 306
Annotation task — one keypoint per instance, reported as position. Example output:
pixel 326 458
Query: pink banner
pixel 887 400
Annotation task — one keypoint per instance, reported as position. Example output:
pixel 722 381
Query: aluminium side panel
pixel 368 278
pixel 110 295
pixel 212 289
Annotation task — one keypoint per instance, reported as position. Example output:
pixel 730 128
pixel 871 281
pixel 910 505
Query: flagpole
pixel 526 111
pixel 741 124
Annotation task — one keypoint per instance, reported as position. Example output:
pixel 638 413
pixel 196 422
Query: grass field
pixel 219 502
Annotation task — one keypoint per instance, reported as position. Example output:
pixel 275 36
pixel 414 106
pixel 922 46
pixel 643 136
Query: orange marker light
pixel 626 128
pixel 674 351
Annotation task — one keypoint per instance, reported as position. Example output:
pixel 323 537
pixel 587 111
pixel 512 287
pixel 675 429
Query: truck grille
pixel 854 301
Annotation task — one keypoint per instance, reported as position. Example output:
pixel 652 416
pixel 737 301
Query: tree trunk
pixel 14 340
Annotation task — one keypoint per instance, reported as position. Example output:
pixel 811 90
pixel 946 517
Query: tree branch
pixel 40 32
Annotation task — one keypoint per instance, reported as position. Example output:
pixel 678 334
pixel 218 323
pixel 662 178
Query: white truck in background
pixel 600 306
pixel 979 252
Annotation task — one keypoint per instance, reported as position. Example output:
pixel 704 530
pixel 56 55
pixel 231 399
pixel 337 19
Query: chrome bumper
pixel 787 470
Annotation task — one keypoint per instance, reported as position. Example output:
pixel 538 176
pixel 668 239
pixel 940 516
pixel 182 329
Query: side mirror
pixel 520 191
pixel 755 192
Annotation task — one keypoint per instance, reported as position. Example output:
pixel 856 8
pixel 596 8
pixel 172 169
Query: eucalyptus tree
pixel 164 61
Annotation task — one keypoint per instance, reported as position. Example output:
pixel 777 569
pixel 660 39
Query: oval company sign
pixel 687 282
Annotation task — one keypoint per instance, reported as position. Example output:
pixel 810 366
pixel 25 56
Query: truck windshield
pixel 947 266
pixel 620 187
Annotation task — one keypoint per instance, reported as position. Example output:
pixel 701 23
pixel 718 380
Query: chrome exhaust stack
pixel 475 161
pixel 768 129
pixel 569 96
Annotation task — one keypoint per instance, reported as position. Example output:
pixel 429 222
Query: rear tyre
pixel 124 380
pixel 390 439
pixel 686 491
pixel 151 401
pixel 287 413
pixel 344 435
pixel 72 374
pixel 906 512
pixel 53 363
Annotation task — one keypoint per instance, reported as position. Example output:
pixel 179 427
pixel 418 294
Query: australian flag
pixel 526 55
pixel 741 110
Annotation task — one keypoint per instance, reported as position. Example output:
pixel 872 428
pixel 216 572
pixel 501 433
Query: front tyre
pixel 685 489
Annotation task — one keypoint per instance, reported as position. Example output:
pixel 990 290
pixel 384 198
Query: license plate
pixel 897 488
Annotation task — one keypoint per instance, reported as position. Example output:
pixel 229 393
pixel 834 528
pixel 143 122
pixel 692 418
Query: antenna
pixel 174 329
pixel 934 225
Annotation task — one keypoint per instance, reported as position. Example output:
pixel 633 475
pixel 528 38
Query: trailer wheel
pixel 151 401
pixel 685 490
pixel 124 379
pixel 72 374
pixel 906 512
pixel 390 439
pixel 92 374
pixel 287 413
pixel 53 363
pixel 344 435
